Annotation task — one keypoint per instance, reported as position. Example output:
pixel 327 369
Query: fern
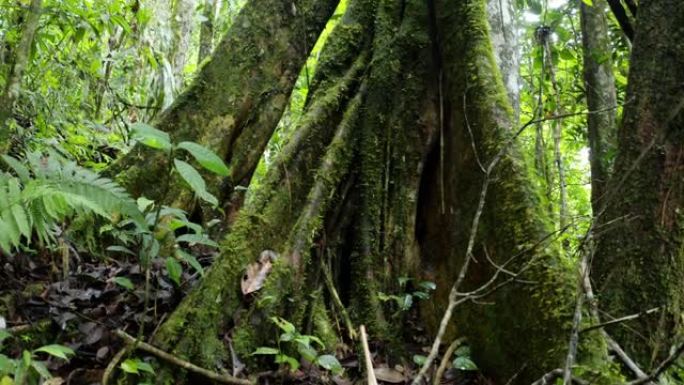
pixel 48 190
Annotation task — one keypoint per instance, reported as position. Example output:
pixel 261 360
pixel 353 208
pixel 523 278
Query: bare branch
pixel 222 378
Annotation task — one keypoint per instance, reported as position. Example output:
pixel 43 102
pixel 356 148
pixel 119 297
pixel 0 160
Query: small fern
pixel 49 189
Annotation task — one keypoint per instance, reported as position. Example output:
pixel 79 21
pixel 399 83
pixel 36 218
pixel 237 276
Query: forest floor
pixel 83 305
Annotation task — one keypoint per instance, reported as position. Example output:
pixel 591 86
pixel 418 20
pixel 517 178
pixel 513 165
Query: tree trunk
pixel 378 180
pixel 182 25
pixel 237 99
pixel 639 263
pixel 599 83
pixel 207 30
pixel 21 58
pixel 519 332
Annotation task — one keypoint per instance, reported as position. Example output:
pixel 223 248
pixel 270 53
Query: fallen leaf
pixel 389 375
pixel 256 273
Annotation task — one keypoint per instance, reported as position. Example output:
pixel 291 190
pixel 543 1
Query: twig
pixel 112 365
pixel 338 302
pixel 222 378
pixel 619 320
pixel 550 377
pixel 367 357
pixel 445 360
pixel 661 368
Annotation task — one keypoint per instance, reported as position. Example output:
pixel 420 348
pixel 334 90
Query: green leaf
pixel 284 324
pixel 265 351
pixel 145 367
pixel 151 137
pixel 175 270
pixel 120 249
pixel 207 158
pixel 195 181
pixel 21 170
pixel 285 359
pixel 42 370
pixel 130 366
pixel 190 260
pixel 427 285
pixel 307 352
pixel 198 239
pixel 588 2
pixel 329 362
pixel 7 365
pixel 124 282
pixel 59 351
pixel 464 363
pixel 4 334
pixel 419 359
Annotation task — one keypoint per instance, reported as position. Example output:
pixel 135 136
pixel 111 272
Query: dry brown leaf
pixel 54 381
pixel 389 375
pixel 256 273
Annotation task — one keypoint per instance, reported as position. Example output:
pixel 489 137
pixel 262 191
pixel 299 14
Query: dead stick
pixel 222 378
pixel 620 320
pixel 112 365
pixel 367 357
pixel 445 360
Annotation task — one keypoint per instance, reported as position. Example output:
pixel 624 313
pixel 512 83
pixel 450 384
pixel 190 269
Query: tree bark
pixel 207 30
pixel 599 83
pixel 21 58
pixel 639 263
pixel 237 99
pixel 517 331
pixel 379 180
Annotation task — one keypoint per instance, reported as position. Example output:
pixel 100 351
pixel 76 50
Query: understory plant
pixel 28 369
pixel 291 342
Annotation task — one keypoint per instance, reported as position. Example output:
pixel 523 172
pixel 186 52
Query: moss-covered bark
pixel 380 178
pixel 238 97
pixel 285 214
pixel 600 92
pixel 525 325
pixel 639 262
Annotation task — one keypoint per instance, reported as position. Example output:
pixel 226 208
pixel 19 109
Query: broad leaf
pixel 265 351
pixel 151 137
pixel 329 362
pixel 59 351
pixel 124 282
pixel 197 238
pixel 207 158
pixel 195 181
pixel 175 270
pixel 190 260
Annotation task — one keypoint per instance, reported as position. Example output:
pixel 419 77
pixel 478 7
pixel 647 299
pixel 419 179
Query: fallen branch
pixel 367 357
pixel 445 360
pixel 619 320
pixel 222 378
pixel 112 365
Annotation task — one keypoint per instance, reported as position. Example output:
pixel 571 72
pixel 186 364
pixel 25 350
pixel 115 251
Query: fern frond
pixel 49 190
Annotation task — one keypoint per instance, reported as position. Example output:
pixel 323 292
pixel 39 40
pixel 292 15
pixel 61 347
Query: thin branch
pixel 550 378
pixel 222 378
pixel 367 357
pixel 619 320
pixel 669 361
pixel 445 360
